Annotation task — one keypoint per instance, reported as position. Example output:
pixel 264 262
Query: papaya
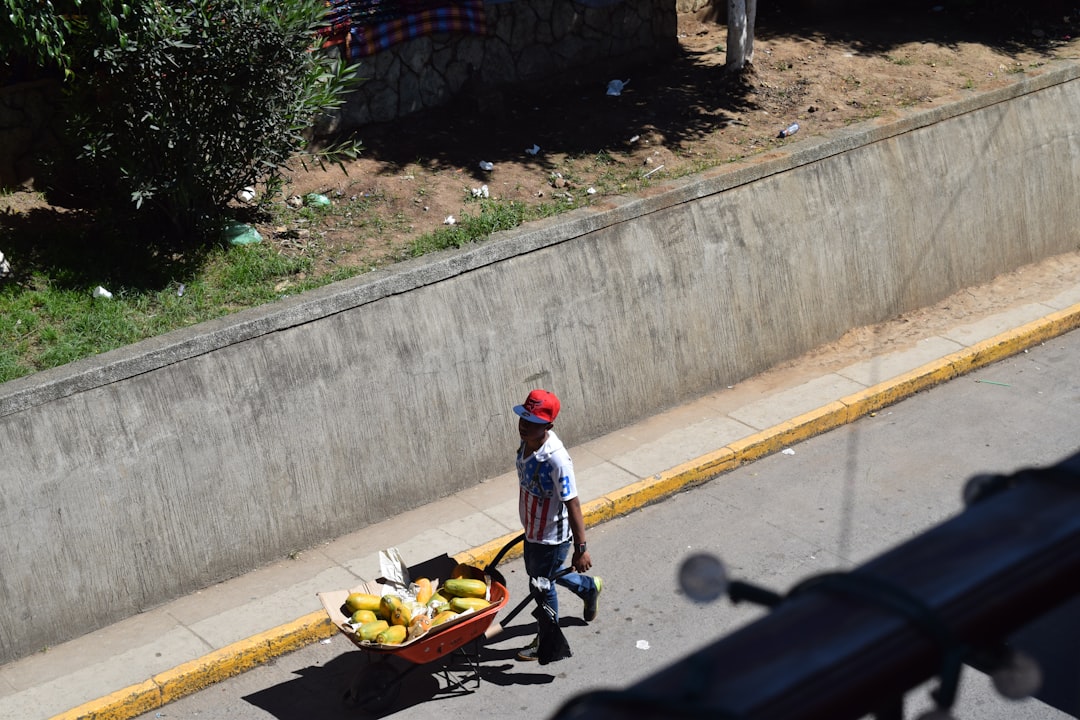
pixel 392 635
pixel 423 591
pixel 418 626
pixel 362 617
pixel 461 570
pixel 361 601
pixel 372 629
pixel 442 617
pixel 387 605
pixel 461 604
pixel 465 587
pixel 401 615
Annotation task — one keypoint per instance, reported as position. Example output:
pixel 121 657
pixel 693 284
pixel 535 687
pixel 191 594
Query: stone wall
pixel 526 41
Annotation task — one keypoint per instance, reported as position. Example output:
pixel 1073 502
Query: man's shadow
pixel 382 683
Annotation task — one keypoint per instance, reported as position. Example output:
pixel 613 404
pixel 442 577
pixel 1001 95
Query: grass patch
pixel 492 217
pixel 46 321
pixel 50 317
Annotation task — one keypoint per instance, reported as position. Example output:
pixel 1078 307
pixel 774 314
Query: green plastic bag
pixel 242 234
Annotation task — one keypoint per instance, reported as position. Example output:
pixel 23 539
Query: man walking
pixel 550 510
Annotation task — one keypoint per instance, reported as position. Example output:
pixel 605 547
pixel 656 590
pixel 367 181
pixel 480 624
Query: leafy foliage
pixel 38 30
pixel 179 104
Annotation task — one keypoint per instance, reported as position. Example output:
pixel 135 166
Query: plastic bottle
pixel 789 130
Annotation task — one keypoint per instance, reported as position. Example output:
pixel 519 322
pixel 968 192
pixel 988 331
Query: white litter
pixel 787 451
pixel 615 87
pixel 325 642
pixel 246 195
pixel 481 191
pixel 533 150
pixel 449 220
pixel 591 191
pixel 100 292
pixel 485 165
pixel 642 644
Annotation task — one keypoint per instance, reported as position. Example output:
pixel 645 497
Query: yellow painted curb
pixel 120 705
pixel 482 556
pixel 650 490
pixel 193 676
pixel 757 445
pixel 896 389
pixel 242 655
pixel 1016 341
pixel 299 633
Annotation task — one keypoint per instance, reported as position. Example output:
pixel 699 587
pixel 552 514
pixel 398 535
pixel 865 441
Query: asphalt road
pixel 830 503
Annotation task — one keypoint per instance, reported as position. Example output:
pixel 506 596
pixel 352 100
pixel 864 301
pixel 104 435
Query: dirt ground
pixel 670 120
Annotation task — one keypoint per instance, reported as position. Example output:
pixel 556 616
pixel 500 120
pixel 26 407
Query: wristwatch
pixel 580 548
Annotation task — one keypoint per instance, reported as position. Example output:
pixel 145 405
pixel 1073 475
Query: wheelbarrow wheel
pixel 375 688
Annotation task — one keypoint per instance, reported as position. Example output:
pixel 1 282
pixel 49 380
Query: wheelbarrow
pixel 376 686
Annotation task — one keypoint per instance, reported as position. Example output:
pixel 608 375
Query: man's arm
pixel 581 560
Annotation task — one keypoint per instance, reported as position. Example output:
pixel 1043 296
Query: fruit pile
pixel 391 619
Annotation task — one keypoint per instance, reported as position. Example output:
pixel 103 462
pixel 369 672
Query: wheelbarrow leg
pixel 453 678
pixel 375 687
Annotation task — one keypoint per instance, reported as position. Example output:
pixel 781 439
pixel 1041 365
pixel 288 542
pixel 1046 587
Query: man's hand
pixel 581 562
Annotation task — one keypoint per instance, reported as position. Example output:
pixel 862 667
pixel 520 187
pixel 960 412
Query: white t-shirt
pixel 546 480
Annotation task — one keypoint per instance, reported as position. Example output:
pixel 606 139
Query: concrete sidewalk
pixel 146 661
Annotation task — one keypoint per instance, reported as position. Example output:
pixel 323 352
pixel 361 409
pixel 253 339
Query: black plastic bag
pixel 552 642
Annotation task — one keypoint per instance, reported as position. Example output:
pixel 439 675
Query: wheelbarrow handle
pixel 521 605
pixel 505 549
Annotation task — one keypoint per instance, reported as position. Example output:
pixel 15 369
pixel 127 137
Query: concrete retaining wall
pixel 148 472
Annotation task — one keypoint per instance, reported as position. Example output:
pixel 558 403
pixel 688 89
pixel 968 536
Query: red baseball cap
pixel 540 407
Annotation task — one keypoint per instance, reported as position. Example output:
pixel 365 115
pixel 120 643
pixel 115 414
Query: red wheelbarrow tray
pixel 436 642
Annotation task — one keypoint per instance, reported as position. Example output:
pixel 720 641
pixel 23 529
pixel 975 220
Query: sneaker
pixel 529 653
pixel 594 599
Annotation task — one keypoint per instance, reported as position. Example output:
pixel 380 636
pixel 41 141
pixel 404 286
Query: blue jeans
pixel 543 561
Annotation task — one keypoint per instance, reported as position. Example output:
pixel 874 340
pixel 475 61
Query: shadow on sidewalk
pixel 387 684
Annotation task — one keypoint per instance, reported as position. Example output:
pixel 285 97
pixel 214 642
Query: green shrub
pixel 37 31
pixel 182 103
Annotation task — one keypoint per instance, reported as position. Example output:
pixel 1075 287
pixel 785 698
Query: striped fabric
pixel 546 481
pixel 366 27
